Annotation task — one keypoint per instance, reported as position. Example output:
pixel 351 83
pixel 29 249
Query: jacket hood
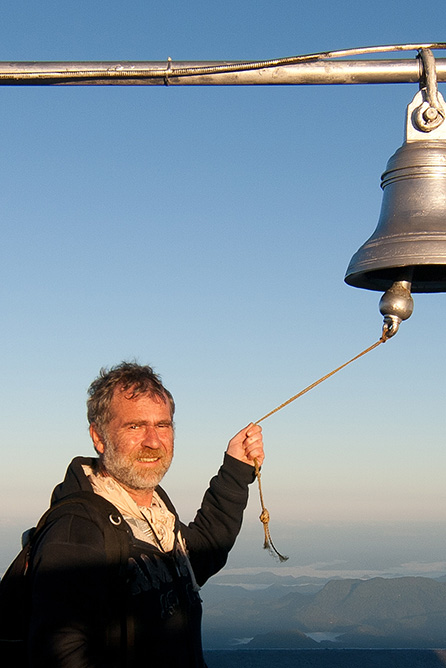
pixel 75 479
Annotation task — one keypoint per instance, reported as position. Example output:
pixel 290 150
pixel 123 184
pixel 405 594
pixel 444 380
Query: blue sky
pixel 206 231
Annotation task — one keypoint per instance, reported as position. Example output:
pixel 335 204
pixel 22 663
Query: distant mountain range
pixel 269 611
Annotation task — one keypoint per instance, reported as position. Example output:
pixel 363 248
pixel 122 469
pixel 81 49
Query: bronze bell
pixel 409 243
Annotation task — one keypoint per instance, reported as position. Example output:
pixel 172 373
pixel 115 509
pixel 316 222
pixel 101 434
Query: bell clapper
pixel 396 305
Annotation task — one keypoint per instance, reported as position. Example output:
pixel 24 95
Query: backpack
pixel 15 593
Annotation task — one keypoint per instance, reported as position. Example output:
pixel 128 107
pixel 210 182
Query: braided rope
pixel 264 516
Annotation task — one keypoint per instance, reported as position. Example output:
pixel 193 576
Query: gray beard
pixel 125 472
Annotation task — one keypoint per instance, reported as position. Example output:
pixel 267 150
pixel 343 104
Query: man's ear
pixel 97 439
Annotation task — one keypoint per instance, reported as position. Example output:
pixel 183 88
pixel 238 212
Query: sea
pixel 326 658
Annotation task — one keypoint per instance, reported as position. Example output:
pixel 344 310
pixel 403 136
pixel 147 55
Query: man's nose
pixel 151 438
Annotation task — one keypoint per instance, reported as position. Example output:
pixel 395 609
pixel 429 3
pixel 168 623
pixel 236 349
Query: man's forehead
pixel 131 397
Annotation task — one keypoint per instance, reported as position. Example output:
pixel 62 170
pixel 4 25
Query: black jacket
pixel 142 610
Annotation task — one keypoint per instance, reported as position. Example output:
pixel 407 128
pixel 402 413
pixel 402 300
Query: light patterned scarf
pixel 154 525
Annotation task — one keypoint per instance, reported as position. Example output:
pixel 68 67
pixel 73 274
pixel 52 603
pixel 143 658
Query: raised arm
pixel 212 534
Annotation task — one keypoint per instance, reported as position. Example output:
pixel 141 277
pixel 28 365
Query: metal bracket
pixel 429 115
pixel 418 108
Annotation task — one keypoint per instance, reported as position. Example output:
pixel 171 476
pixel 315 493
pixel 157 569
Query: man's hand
pixel 247 445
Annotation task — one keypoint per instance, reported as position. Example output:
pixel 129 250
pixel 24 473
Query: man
pixel 142 607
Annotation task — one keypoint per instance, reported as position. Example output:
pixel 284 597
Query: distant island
pixel 267 611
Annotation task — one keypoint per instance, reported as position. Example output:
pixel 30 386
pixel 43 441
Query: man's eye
pixel 134 426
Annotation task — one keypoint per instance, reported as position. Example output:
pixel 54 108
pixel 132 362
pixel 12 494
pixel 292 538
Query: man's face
pixel 137 446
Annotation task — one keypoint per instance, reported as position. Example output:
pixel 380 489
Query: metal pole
pixel 181 73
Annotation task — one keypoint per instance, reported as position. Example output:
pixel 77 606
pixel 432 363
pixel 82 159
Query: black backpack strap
pixel 116 531
pixel 15 583
pixel 117 546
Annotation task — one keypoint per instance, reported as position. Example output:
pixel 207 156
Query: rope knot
pixel 264 517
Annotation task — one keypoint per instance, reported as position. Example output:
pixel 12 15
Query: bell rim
pixel 427 277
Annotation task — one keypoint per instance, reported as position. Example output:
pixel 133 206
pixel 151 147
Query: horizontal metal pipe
pixel 181 73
